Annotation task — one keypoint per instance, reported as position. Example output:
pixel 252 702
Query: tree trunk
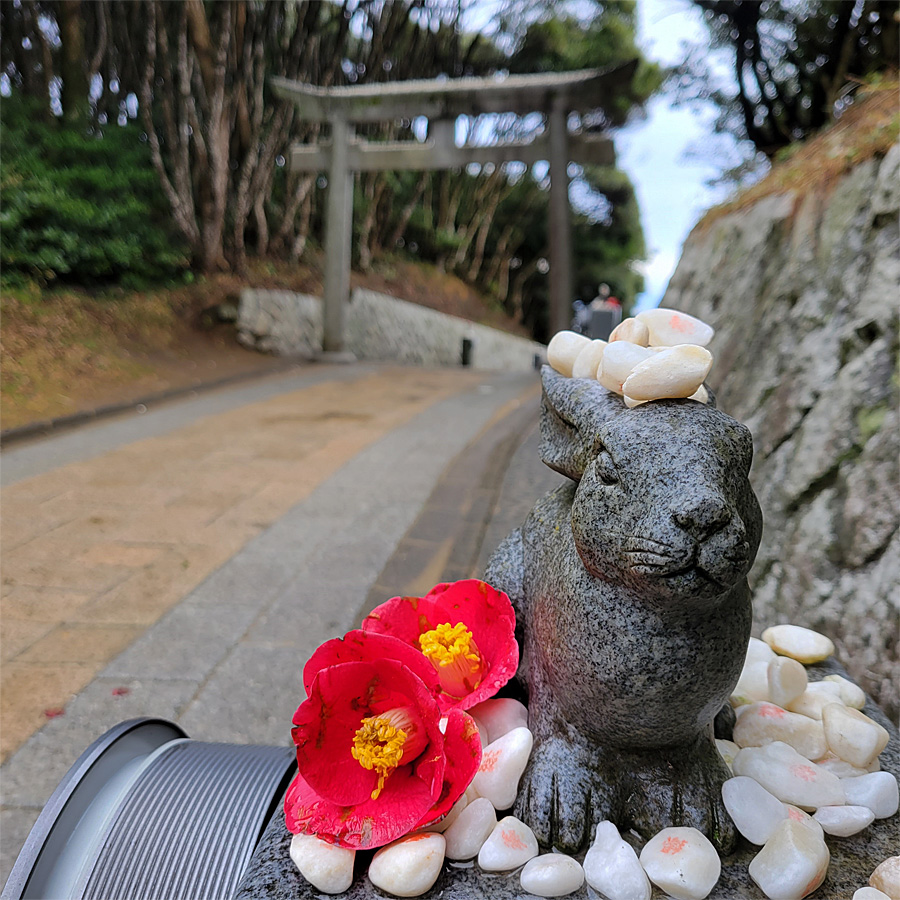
pixel 74 81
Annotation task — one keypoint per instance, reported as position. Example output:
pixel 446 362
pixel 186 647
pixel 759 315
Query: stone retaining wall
pixel 802 290
pixel 378 327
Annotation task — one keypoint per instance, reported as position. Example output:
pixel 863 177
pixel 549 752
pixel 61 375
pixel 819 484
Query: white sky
pixel 670 188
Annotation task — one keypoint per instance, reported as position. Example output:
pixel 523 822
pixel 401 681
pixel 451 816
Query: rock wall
pixel 378 327
pixel 803 291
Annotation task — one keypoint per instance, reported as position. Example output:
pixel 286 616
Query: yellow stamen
pixel 382 742
pixel 454 653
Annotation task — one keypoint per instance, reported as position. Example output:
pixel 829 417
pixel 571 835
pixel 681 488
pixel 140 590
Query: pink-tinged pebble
pixel 789 776
pixel 682 862
pixel 502 764
pixel 792 864
pixel 763 723
pixel 886 877
pixel 669 327
pixel 511 844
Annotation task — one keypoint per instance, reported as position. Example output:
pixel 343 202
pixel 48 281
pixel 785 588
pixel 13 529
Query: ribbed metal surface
pixel 189 824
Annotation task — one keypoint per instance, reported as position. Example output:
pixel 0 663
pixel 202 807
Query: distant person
pixel 604 300
pixel 606 313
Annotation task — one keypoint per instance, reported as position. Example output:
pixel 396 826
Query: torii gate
pixel 554 95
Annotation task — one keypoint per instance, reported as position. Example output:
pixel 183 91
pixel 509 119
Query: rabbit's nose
pixel 701 515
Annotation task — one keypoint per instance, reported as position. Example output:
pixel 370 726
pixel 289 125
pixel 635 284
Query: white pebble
pixel 842 821
pixel 759 651
pixel 752 685
pixel 886 877
pixel 511 844
pixel 877 790
pixel 563 350
pixel 755 812
pixel 795 814
pixel 763 723
pixel 728 750
pixel 669 327
pixel 852 695
pixel 500 715
pixel 852 735
pixel 701 395
pixel 502 764
pixel 682 862
pixel 815 698
pixel 410 866
pixel 793 863
pixel 676 372
pixel 842 768
pixel 789 776
pixel 612 867
pixel 473 826
pixel 619 360
pixel 551 875
pixel 632 330
pixel 327 867
pixel 802 644
pixel 588 360
pixel 451 817
pixel 787 680
pixel 870 893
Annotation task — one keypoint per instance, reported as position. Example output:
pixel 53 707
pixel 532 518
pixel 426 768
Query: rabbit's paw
pixel 558 798
pixel 681 786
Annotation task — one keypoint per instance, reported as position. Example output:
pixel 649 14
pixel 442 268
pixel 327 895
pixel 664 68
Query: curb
pixel 74 420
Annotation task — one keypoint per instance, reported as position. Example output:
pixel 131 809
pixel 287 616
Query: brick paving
pixel 96 551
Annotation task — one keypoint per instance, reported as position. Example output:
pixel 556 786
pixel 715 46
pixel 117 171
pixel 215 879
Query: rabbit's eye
pixel 606 470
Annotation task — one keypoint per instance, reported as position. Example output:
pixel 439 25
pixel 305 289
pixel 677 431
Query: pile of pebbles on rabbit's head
pixel 661 353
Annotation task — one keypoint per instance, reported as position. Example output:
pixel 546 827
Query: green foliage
pixel 80 208
pixel 796 64
pixel 559 42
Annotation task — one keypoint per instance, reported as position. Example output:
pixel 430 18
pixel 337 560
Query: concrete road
pixel 185 562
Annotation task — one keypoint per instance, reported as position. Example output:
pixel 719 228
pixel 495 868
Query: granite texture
pixel 630 587
pixel 802 290
pixel 272 876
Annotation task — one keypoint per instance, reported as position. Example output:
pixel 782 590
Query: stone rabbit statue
pixel 633 607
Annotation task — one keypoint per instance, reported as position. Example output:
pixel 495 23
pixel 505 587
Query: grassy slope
pixel 869 127
pixel 69 350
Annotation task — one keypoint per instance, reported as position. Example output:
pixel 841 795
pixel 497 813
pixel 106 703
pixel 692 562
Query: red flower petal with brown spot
pixel 467 628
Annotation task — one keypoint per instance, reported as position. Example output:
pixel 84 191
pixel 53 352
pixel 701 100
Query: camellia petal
pixel 372 823
pixel 462 746
pixel 359 646
pixel 327 723
pixel 467 628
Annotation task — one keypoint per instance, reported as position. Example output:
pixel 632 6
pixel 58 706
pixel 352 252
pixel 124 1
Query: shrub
pixel 77 207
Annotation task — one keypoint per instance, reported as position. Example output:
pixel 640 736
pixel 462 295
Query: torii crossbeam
pixel 554 95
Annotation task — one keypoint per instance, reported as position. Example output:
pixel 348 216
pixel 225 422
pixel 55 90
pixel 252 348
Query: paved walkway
pixel 185 563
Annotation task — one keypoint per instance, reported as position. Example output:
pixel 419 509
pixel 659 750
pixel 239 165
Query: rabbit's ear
pixel 573 410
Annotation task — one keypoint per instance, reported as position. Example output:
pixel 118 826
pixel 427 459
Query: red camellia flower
pixel 467 631
pixel 373 762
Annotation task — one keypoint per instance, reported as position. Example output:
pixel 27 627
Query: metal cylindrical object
pixel 147 813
